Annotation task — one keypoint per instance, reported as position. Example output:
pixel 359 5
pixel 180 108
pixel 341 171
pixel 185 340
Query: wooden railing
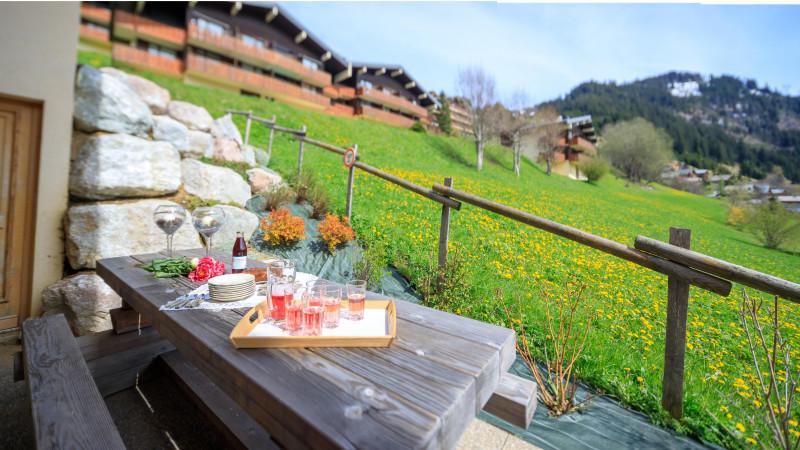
pixel 386 116
pixel 142 58
pixel 96 14
pixel 392 101
pixel 93 33
pixel 245 77
pixel 151 28
pixel 339 91
pixel 259 56
pixel 340 110
pixel 683 267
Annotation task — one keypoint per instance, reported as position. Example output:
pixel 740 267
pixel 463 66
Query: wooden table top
pixel 422 392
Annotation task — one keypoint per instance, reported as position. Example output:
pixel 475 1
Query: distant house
pixel 718 178
pixel 578 143
pixel 790 202
pixel 459 115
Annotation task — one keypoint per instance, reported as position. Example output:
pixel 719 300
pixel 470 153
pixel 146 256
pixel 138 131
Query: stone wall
pixel 131 145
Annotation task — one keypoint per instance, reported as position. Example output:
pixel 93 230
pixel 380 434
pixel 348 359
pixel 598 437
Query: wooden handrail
pixel 699 279
pixel 748 277
pixel 415 188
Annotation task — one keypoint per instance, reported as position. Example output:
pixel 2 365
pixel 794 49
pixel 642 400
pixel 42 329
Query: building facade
pixel 250 50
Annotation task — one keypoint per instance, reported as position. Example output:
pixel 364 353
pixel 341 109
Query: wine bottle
pixel 239 254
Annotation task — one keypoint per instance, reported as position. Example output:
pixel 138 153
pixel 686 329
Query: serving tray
pixel 253 332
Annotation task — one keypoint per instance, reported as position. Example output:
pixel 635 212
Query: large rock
pixel 263 180
pixel 249 155
pixel 119 165
pixel 104 103
pixel 262 157
pixel 227 150
pixel 214 183
pixel 190 143
pixel 79 139
pixel 236 219
pixel 85 299
pixel 224 128
pixel 107 230
pixel 194 117
pixel 153 95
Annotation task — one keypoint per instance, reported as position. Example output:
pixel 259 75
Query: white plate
pixel 231 298
pixel 232 279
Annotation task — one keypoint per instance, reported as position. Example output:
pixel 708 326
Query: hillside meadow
pixel 624 353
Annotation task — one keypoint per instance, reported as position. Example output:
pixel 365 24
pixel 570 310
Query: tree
pixel 773 224
pixel 637 148
pixel 514 122
pixel 443 116
pixel 547 128
pixel 477 87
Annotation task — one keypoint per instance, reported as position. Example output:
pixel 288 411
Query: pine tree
pixel 443 116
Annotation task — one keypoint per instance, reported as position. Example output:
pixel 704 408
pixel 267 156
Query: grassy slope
pixel 624 353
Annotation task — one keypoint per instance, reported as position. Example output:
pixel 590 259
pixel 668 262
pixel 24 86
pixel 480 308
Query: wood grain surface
pixel 67 409
pixel 422 392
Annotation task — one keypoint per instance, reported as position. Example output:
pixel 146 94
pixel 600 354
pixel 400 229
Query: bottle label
pixel 239 262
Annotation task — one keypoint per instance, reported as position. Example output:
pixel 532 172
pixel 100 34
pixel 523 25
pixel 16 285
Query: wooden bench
pixel 67 408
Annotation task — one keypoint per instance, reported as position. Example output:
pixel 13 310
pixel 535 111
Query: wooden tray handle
pixel 254 317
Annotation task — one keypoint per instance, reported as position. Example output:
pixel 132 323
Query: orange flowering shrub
pixel 333 231
pixel 280 227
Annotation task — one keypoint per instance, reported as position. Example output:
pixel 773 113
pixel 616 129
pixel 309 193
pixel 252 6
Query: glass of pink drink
pixel 281 276
pixel 294 303
pixel 332 302
pixel 356 295
pixel 315 294
pixel 312 320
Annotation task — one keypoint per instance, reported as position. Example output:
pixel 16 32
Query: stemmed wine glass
pixel 169 218
pixel 208 220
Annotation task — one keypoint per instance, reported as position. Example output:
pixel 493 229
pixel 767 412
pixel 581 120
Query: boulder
pixel 236 219
pixel 78 140
pixel 119 165
pixel 262 157
pixel 227 150
pixel 85 299
pixel 224 128
pixel 214 183
pixel 107 230
pixel 104 103
pixel 194 117
pixel 262 180
pixel 153 95
pixel 249 155
pixel 190 143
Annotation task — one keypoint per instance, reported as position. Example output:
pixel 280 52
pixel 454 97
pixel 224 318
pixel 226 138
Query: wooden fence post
pixel 300 157
pixel 444 236
pixel 247 127
pixel 675 339
pixel 271 133
pixel 350 175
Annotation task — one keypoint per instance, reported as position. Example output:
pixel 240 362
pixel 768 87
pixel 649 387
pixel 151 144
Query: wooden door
pixel 20 134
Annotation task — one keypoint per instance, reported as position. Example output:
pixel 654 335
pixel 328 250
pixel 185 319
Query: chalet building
pixel 578 143
pixel 257 50
pixel 459 116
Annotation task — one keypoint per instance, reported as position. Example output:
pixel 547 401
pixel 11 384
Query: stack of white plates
pixel 232 287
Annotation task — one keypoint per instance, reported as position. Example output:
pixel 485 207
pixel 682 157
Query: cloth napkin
pixel 301 279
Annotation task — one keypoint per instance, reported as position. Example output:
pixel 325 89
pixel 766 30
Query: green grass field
pixel 625 350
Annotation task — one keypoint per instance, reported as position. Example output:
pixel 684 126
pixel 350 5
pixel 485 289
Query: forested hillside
pixel 711 120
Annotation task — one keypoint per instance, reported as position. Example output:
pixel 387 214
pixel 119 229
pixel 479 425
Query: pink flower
pixel 207 268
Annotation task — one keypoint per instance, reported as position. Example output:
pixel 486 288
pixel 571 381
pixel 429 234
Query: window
pixel 156 49
pixel 252 68
pixel 365 83
pixel 281 49
pixel 387 90
pixel 247 39
pixel 214 27
pixel 311 63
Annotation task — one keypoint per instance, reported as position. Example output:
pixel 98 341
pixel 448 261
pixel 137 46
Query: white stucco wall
pixel 37 61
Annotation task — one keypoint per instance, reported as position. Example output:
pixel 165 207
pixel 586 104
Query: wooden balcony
pixel 130 26
pixel 339 110
pixel 257 56
pixel 392 101
pixel 141 59
pixel 251 81
pixel 92 34
pixel 340 92
pixel 385 116
pixel 95 14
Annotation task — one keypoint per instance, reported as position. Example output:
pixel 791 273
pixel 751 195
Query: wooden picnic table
pixel 422 392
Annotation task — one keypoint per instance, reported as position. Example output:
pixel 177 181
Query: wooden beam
pixel 192 4
pixel 410 84
pixel 423 95
pixel 362 70
pixel 139 8
pixel 272 14
pixel 345 74
pixel 514 400
pixel 397 72
pixel 235 8
pixel 325 56
pixel 301 36
pixel 380 71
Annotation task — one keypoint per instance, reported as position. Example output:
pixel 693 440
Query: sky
pixel 548 49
